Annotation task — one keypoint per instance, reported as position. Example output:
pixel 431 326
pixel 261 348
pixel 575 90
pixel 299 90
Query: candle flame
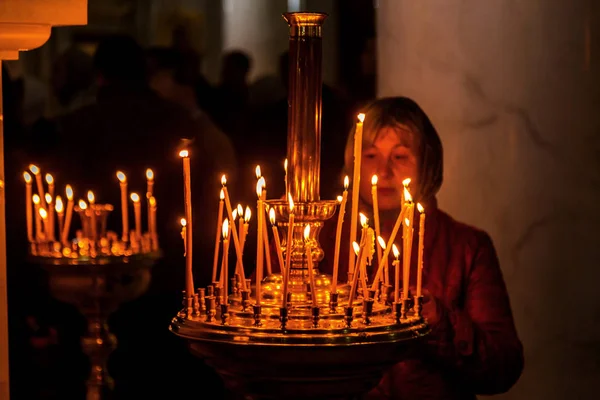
pixel 258 172
pixel 374 180
pixel 420 208
pixel 36 199
pixel 406 182
pixel 395 251
pixel 223 182
pixel 49 179
pixel 69 192
pixel 381 242
pixel 407 196
pixel 183 222
pixel 363 220
pixel 149 174
pixel 240 210
pixel 356 247
pixel 222 194
pixel 27 177
pixel 291 201
pixel 91 197
pixel 406 222
pixel 346 182
pixel 234 214
pixel 307 232
pixel 43 213
pixel 152 201
pixel 134 197
pixel 184 153
pixel 121 177
pixel 225 228
pixel 58 207
pixel 272 216
pixel 48 198
pixel 248 215
pixel 285 164
pixel 34 169
pixel 361 117
pixel 260 184
pixel 340 198
pixel 82 204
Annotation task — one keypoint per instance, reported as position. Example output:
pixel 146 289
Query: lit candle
pixel 277 240
pixel 28 212
pixel 38 180
pixel 421 244
pixel 260 237
pixel 396 264
pixel 358 251
pixel 92 201
pixel 50 182
pixel 50 212
pixel 183 229
pixel 60 212
pixel 152 223
pixel 338 234
pixel 288 250
pixel 355 187
pixel 149 183
pixel 38 222
pixel 44 215
pixel 285 164
pixel 83 206
pixel 240 218
pixel 68 215
pixel 399 220
pixel 187 191
pixel 376 213
pixel 311 274
pixel 383 262
pixel 264 227
pixel 405 259
pixel 137 209
pixel 218 235
pixel 124 208
pixel 224 262
pixel 234 233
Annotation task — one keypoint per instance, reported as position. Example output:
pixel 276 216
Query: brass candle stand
pixel 295 347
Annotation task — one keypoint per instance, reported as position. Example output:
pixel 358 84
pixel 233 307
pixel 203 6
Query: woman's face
pixel 392 158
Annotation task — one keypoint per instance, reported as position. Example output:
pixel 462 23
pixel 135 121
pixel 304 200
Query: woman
pixel 473 347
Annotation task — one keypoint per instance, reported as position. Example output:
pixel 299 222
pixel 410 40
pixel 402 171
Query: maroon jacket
pixel 474 348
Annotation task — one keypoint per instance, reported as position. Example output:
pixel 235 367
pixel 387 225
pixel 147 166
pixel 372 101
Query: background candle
pixel 50 182
pixel 124 209
pixel 260 238
pixel 68 215
pixel 355 188
pixel 187 194
pixel 50 220
pixel 288 249
pixel 38 222
pixel 152 223
pixel 149 183
pixel 234 233
pixel 60 213
pixel 374 180
pixel 421 244
pixel 38 180
pixel 338 235
pixel 92 201
pixel 311 274
pixel 224 262
pixel 396 265
pixel 277 240
pixel 28 213
pixel 183 229
pixel 137 209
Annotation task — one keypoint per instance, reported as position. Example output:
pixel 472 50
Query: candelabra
pixel 298 334
pixel 97 270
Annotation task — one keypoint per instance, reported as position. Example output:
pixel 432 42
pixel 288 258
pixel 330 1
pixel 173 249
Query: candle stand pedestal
pixel 97 287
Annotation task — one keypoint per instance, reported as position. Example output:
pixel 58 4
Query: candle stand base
pixel 97 287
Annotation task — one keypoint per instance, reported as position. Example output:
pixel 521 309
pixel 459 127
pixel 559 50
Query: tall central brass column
pixel 304 105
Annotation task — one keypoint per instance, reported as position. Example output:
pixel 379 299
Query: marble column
pixel 513 89
pixel 257 28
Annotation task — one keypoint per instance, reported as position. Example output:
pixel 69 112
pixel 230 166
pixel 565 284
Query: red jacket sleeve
pixel 478 341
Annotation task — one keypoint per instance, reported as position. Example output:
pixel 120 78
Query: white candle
pixel 224 261
pixel 187 192
pixel 260 239
pixel 264 228
pixel 218 235
pixel 355 187
pixel 421 244
pixel 338 235
pixel 124 208
pixel 60 212
pixel 374 181
pixel 234 233
pixel 28 212
pixel 396 264
pixel 288 249
pixel 68 216
pixel 311 274
pixel 277 240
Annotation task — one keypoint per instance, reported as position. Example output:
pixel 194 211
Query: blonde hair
pixel 396 112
